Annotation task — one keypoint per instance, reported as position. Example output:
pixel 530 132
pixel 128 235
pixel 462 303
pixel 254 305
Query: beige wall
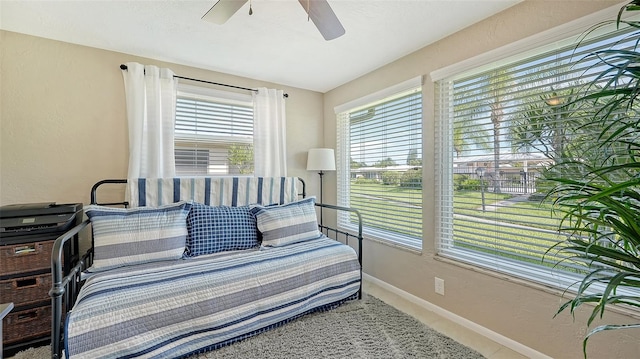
pixel 63 125
pixel 520 312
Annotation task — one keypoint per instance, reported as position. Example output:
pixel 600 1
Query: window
pixel 380 163
pixel 498 128
pixel 213 132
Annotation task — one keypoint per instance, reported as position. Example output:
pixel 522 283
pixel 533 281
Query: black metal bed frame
pixel 71 283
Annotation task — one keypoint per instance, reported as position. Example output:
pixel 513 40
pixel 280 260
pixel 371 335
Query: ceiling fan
pixel 318 11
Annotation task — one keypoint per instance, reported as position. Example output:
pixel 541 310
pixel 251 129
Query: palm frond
pixel 604 328
pixel 597 197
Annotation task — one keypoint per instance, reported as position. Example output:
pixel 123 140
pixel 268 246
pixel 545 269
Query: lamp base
pixel 321 175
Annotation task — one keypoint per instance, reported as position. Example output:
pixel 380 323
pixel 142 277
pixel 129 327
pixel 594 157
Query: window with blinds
pixel 497 130
pixel 213 132
pixel 380 166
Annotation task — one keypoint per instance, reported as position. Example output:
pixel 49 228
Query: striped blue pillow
pixel 219 229
pixel 124 237
pixel 289 223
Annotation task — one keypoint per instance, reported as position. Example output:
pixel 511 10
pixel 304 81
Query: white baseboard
pixel 496 337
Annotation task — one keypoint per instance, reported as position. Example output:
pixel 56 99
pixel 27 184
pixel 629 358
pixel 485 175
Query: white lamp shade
pixel 321 159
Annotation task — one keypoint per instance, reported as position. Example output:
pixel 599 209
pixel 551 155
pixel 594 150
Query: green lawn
pixel 400 210
pixel 471 200
pixel 389 207
pixel 528 213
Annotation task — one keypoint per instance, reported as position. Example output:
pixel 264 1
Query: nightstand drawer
pixel 18 258
pixel 33 288
pixel 21 325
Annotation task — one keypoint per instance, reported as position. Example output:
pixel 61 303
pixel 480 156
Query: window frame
pixel 343 160
pixel 551 39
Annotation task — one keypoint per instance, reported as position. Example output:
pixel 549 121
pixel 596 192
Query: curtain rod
pixel 124 67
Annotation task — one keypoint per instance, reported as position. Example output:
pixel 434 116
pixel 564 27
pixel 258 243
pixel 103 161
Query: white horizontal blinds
pixel 497 131
pixel 213 135
pixel 444 174
pixel 343 163
pixel 380 156
pixel 192 161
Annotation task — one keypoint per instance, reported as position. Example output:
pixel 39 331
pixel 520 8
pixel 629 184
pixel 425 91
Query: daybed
pixel 197 263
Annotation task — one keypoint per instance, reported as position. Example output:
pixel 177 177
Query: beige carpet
pixel 366 329
pixel 34 353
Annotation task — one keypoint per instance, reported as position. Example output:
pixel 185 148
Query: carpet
pixel 366 329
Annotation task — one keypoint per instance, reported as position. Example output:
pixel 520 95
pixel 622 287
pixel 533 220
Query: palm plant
pixel 598 196
pixel 544 126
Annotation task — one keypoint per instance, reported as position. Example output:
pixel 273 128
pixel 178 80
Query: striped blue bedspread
pixel 177 308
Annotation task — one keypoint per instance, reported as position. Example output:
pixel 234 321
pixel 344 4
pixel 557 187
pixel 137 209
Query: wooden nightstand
pixel 27 235
pixel 25 280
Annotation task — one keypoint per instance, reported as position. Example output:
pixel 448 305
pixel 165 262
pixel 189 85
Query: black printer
pixel 21 223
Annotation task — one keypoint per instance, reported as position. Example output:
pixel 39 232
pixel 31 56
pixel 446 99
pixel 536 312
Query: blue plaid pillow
pixel 218 229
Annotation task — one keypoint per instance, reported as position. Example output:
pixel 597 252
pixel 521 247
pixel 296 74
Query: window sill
pixel 560 293
pixel 374 237
pixel 394 244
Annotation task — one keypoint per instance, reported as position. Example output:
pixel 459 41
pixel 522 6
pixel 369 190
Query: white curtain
pixel 151 111
pixel 269 133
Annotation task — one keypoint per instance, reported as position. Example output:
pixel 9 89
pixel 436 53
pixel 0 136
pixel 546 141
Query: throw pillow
pixel 129 236
pixel 218 229
pixel 289 223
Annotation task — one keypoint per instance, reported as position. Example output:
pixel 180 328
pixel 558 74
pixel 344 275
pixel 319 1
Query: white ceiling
pixel 275 44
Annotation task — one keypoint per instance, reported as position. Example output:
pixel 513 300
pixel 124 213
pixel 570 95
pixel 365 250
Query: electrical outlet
pixel 439 286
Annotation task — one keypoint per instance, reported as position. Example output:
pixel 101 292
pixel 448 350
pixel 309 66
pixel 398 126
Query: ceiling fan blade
pixel 222 11
pixel 324 18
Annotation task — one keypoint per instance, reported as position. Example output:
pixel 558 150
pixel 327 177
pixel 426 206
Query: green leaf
pixel 604 328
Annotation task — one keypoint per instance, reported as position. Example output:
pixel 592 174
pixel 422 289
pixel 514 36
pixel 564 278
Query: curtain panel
pixel 151 110
pixel 270 133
